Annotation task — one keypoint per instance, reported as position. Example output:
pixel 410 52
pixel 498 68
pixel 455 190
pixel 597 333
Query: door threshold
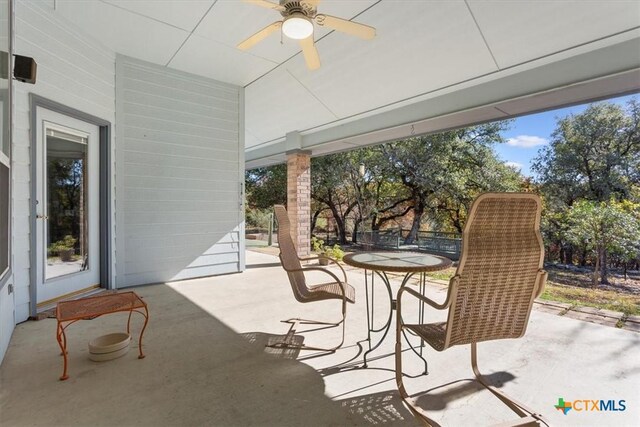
pixel 47 308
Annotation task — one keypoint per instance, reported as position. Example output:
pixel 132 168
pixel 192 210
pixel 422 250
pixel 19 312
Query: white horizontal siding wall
pixel 179 168
pixel 7 318
pixel 73 70
pixel 7 305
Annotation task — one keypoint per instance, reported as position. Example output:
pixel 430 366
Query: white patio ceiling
pixel 430 59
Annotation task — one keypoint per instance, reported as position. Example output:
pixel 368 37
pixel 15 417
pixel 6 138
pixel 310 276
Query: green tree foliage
pixel 380 198
pixel 594 155
pixel 266 186
pixel 259 218
pixel 444 172
pixel 605 226
pixel 467 183
pixel 589 177
pixel 438 175
pixel 331 186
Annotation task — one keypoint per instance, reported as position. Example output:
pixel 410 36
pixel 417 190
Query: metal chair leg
pixel 287 344
pixel 409 401
pixel 517 407
pixel 528 417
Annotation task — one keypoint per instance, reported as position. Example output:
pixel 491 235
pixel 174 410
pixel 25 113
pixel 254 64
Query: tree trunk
pixel 583 258
pixel 342 232
pixel 456 222
pixel 356 225
pixel 603 267
pixel 568 255
pixel 596 270
pixel 625 270
pixel 418 211
pixel 314 220
pixel 374 222
pixel 339 219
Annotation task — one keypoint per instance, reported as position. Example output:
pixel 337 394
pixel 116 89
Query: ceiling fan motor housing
pixel 296 6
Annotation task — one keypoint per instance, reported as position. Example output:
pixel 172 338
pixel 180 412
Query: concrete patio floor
pixel 206 364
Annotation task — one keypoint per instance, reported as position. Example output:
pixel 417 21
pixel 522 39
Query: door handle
pixel 42 217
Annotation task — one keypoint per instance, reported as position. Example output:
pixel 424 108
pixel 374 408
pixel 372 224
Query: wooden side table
pixel 69 312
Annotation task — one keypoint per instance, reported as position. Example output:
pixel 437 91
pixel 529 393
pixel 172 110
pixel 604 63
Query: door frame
pixel 104 126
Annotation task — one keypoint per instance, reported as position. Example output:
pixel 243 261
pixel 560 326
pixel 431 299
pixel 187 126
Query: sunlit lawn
pixel 575 290
pixel 600 298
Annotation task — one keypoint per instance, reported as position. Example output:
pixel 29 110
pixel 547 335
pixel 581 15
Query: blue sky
pixel 528 134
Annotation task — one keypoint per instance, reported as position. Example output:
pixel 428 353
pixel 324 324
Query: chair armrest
pixel 333 260
pixel 324 270
pixel 542 280
pixel 423 298
pixel 453 287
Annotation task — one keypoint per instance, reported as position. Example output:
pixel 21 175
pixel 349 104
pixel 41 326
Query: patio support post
pixel 299 199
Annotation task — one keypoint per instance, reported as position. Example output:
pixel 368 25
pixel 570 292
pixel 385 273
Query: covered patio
pixel 175 113
pixel 207 364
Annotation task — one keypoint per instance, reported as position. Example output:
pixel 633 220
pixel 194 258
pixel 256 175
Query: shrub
pixel 258 218
pixel 319 247
pixel 67 243
pixel 335 252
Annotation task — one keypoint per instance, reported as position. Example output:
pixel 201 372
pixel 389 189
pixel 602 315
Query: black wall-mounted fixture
pixel 24 68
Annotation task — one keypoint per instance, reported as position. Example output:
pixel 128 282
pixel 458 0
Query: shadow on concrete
pixel 438 400
pixel 197 371
pixel 264 265
pixel 384 408
pixel 263 340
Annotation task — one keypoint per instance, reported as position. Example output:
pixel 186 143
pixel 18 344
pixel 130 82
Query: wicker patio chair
pixel 490 296
pixel 335 289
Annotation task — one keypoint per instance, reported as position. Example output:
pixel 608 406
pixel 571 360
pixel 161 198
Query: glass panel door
pixel 66 199
pixel 67 205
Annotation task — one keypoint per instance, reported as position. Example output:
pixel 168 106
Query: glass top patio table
pixel 398 262
pixel 383 262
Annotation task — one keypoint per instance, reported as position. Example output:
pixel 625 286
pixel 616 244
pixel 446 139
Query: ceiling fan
pixel 299 16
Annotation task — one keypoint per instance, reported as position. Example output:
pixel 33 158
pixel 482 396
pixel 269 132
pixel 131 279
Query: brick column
pixel 299 199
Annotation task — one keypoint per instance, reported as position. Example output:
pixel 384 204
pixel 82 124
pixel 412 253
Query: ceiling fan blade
pixel 260 35
pixel 312 3
pixel 310 53
pixel 265 3
pixel 349 27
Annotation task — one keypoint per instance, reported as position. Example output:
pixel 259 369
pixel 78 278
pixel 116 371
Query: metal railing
pixel 443 243
pixel 435 242
pixel 388 239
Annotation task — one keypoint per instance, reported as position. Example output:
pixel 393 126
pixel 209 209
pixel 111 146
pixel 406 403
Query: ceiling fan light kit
pixel 297 26
pixel 298 21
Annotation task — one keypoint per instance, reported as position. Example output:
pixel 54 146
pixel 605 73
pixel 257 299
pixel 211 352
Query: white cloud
pixel 526 141
pixel 514 165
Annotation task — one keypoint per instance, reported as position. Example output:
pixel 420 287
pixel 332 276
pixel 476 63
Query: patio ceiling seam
pixel 141 15
pixel 314 95
pixel 475 21
pixel 204 15
pixel 502 111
